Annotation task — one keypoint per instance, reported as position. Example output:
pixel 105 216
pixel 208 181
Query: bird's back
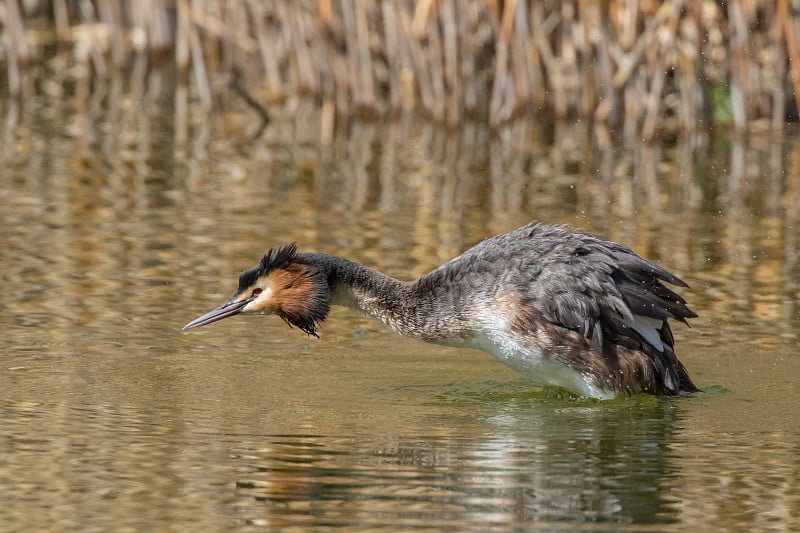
pixel 544 299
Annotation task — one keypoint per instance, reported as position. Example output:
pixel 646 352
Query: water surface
pixel 120 227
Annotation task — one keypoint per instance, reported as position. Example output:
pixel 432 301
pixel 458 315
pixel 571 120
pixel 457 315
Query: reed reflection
pixel 521 470
pixel 118 222
pixel 403 196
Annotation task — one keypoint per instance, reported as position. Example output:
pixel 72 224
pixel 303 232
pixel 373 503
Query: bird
pixel 564 308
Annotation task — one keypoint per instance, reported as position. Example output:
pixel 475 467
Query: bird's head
pixel 282 284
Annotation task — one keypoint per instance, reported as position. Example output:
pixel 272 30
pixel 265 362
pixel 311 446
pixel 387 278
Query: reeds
pixel 642 67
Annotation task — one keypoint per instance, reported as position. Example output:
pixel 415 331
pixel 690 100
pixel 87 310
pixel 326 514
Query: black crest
pixel 274 258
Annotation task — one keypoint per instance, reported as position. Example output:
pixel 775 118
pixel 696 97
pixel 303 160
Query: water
pixel 118 229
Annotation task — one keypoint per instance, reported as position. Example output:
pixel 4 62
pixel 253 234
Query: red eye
pixel 256 292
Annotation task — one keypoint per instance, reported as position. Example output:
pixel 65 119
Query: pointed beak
pixel 225 310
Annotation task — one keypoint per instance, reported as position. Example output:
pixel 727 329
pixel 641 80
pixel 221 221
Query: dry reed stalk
pixel 422 15
pixel 351 82
pixel 739 64
pixel 160 32
pixel 541 39
pixel 394 56
pixel 268 56
pixel 449 22
pixel 417 57
pixel 569 47
pixel 614 60
pixel 283 26
pixel 435 65
pixel 17 49
pixel 607 108
pixel 505 99
pixel 325 12
pixel 588 18
pixel 790 27
pixel 365 97
pixel 217 25
pixel 212 48
pixel 94 39
pixel 110 15
pixel 61 20
pixel 199 62
pixel 666 41
pixel 337 68
pixel 779 66
pixel 687 52
pixel 467 46
pixel 182 35
pixel 308 80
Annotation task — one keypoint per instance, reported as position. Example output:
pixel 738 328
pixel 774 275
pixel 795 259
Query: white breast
pixel 532 363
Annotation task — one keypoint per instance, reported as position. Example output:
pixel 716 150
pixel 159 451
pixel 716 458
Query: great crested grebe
pixel 563 308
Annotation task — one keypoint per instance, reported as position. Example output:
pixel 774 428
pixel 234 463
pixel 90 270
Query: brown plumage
pixel 564 308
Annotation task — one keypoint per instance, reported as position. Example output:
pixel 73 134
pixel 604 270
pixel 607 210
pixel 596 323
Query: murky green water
pixel 120 227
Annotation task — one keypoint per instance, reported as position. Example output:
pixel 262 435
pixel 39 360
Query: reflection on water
pixel 121 226
pixel 507 475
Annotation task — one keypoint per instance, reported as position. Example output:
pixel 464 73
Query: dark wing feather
pixel 610 295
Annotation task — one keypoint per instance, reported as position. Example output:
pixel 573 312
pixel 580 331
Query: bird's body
pixel 563 308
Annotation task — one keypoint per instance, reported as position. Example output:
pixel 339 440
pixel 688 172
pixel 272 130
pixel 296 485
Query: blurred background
pixel 152 150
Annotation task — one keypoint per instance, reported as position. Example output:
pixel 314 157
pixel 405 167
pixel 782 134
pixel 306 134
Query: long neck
pixel 427 309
